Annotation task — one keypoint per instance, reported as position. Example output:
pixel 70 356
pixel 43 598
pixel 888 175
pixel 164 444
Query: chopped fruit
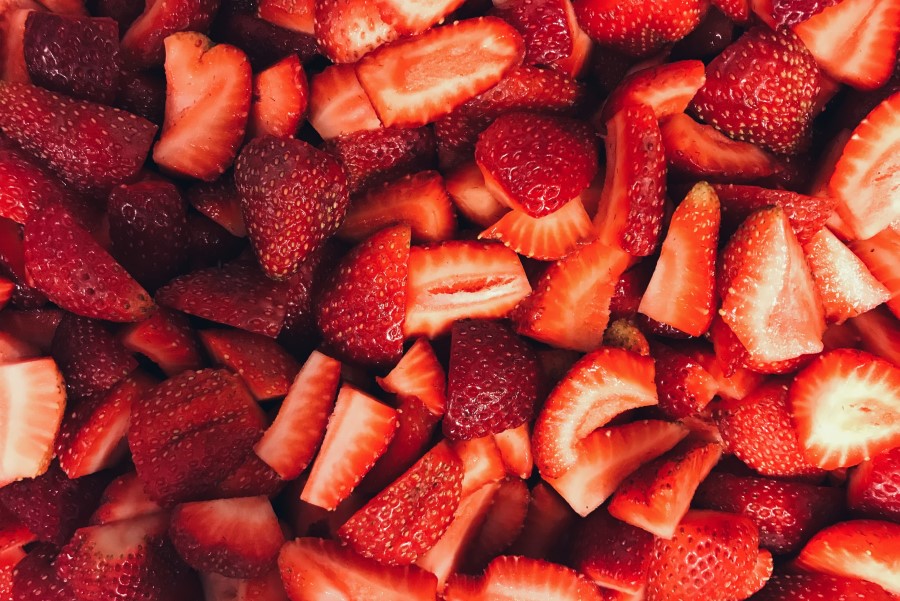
pixel 359 431
pixel 263 42
pixel 208 92
pixel 577 63
pixel 544 27
pixel 220 201
pixel 35 577
pixel 631 205
pixel 510 578
pixel 482 462
pixel 419 374
pixel 787 13
pixel 293 438
pixel 27 186
pixel 607 456
pixel 419 200
pixel 599 387
pixel 845 405
pixel 686 301
pixel 35 327
pixel 702 152
pixel 296 15
pixel 880 253
pixel 879 333
pixel 337 103
pixel 12 25
pixel 9 560
pixel 312 569
pixel 756 578
pixel 812 586
pixel 280 95
pixel 514 445
pixel 473 200
pixel 347 30
pixel 143 43
pixel 613 554
pixel 459 280
pixel 667 89
pixel 657 496
pixel 548 516
pixel 733 357
pixel 864 549
pixel 13 533
pixel 502 524
pixel 547 238
pixel 419 79
pixel 124 499
pixel 865 177
pixel 166 338
pixel 854 41
pixel 252 478
pixel 264 366
pixel 143 93
pixel 238 538
pixel 94 372
pixel 684 385
pixel 873 486
pixel 626 335
pixel 267 587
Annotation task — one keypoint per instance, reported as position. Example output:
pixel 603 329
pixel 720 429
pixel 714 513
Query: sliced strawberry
pixel 143 93
pixel 791 12
pixel 614 554
pixel 267 587
pixel 880 254
pixel 502 525
pixel 143 42
pixel 28 186
pixel 733 357
pixel 280 96
pixel 543 26
pixel 599 387
pixel 459 280
pixel 296 15
pixel 252 478
pixel 880 334
pixel 577 63
pixel 419 200
pixel 263 42
pixel 264 366
pixel 509 578
pixel 812 586
pixel 220 201
pixel 34 576
pixel 210 244
pixel 482 462
pixel 756 578
pixel 547 238
pixel 417 80
pixel 419 374
pixel 571 302
pixel 843 405
pixel 473 200
pixel 166 338
pixel 667 89
pixel 313 568
pixel 684 385
pixel 13 533
pixel 872 486
pixel 347 30
pixel 548 515
pixel 123 499
pixel 514 445
pixel 337 103
pixel 34 328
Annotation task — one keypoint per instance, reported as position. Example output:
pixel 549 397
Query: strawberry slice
pixel 461 279
pixel 28 186
pixel 786 13
pixel 413 18
pixel 415 81
pixel 880 254
pixel 879 332
pixel 473 200
pixel 12 65
pixel 34 576
pixel 359 431
pixel 267 587
pixel 348 30
pixel 296 15
pixel 502 525
pixel 599 387
pixel 733 358
pixel 547 516
pixel 482 461
pixel 238 538
pixel 337 103
pixel 312 568
pixel 124 499
pixel 543 25
pixel 90 146
pixel 812 586
pixel 683 383
pixel 264 366
pixel 756 578
pixel 280 96
pixel 631 204
pixel 166 338
pixel 143 42
pixel 871 486
pixel 514 445
pixel 208 92
pixel 667 90
pixel 220 201
pixel 510 578
pixel 419 374
pixel 843 405
pixel 289 444
pixel 614 554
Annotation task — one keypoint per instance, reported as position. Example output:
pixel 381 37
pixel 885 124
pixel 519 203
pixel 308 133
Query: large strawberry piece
pixel 293 198
pixel 636 28
pixel 264 366
pixel 761 89
pixel 27 186
pixel 872 487
pixel 143 42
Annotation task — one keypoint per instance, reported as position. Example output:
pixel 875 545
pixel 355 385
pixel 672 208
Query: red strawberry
pixel 482 462
pixel 493 380
pixel 684 385
pixel 296 15
pixel 791 12
pixel 337 103
pixel 613 554
pixel 419 374
pixel 544 26
pixel 509 578
pixel 166 338
pixel 514 445
pixel 143 94
pixel 208 92
pixel 637 29
pixel 548 515
pixel 34 577
pixel 873 485
pixel 812 586
pixel 13 533
pixel 631 205
pixel 503 522
pixel 35 327
pixel 264 366
pixel 28 186
pixel 412 19
pixel 267 587
pixel 143 42
pixel 202 422
pixel 280 96
pixel 667 89
pixel 880 254
pixel 89 146
pixel 733 357
pixel 123 12
pixel 349 29
pixel 252 478
pixel 124 499
pixel 473 200
pixel 412 82
pixel 220 201
pixel 263 42
pixel 76 56
pixel 844 405
pixel 461 279
pixel 879 332
pixel 299 332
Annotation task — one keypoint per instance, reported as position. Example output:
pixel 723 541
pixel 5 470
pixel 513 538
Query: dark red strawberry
pixel 166 338
pixel 873 486
pixel 300 333
pixel 280 97
pixel 263 42
pixel 714 33
pixel 264 366
pixel 27 186
pixel 812 586
pixel 144 94
pixel 684 386
pixel 89 146
pixel 635 28
pixel 210 243
pixel 371 281
pixel 252 478
pixel 76 56
pixel 629 290
pixel 123 12
pixel 142 44
pixel 220 201
pixel 761 89
pixel 790 12
pixel 293 198
pixel 35 326
pixel 35 578
pixel 543 25
pixel 493 380
pixel 613 554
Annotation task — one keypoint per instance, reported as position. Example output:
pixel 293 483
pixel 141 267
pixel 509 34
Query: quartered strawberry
pixel 879 334
pixel 461 279
pixel 683 383
pixel 614 554
pixel 28 186
pixel 812 586
pixel 76 56
pixel 880 253
pixel 267 587
pixel 123 499
pixel 844 405
pixel 90 146
pixel 536 163
pixel 166 338
pixel 733 358
pixel 543 25
pixel 337 103
pixel 417 80
pixel 280 97
pixel 143 42
pixel 470 195
pixel 208 93
pixel 666 89
pixel 264 366
pixel 219 200
pixel 873 485
pixel 34 577
pixel 296 15
pixel 509 578
pixel 419 374
pixel 482 462
pixel 347 30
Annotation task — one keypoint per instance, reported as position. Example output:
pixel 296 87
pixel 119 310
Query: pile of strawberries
pixel 550 300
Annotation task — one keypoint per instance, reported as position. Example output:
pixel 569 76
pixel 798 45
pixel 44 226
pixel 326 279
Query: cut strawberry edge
pixel 338 105
pixel 419 374
pixel 667 89
pixel 514 445
pixel 482 462
pixel 509 578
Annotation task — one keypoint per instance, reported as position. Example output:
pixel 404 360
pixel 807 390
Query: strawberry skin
pixel 510 578
pixel 35 577
pixel 264 366
pixel 143 42
pixel 544 27
pixel 166 338
pixel 27 186
pixel 612 553
pixel 813 586
pixel 872 487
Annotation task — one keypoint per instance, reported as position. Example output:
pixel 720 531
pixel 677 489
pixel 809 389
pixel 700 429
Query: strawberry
pixel 733 357
pixel 252 478
pixel 626 335
pixel 880 253
pixel 289 444
pixel 123 499
pixel 638 29
pixel 843 406
pixel 299 332
pixel 166 338
pixel 267 587
pixel 570 305
pixel 280 96
pixel 208 93
pixel 349 29
pixel 13 533
pixel 211 244
pixel 502 525
pixel 631 203
pixel 123 12
pixel 518 153
pixel 89 146
pixel 337 103
pixel 787 13
pixel 76 56
pixel 666 89
pixel 461 279
pixel 419 374
pixel 543 26
pixel 864 549
pixel 143 94
pixel 202 422
pixel 684 385
pixel 238 538
pixel 358 433
pixel 614 554
pixel 28 186
pixel 509 578
pixel 811 586
pixel 879 333
pixel 514 445
pixel 312 568
pixel 296 15
pixel 599 387
pixel 35 327
pixel 264 366
pixel 470 195
pixel 264 43
pixel 412 19
pixel 854 41
pixel 871 489
pixel 143 42
pixel 12 24
pixel 220 201
pixel 34 577
pixel 413 81
pixel 482 462
pixel 773 68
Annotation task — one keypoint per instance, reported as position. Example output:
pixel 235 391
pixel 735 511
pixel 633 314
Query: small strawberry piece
pixel 13 533
pixel 812 586
pixel 264 366
pixel 211 244
pixel 547 516
pixel 337 103
pixel 12 25
pixel 417 80
pixel 296 15
pixel 143 93
pixel 614 554
pixel 208 93
pixel 280 96
pixel 684 385
pixel 733 358
pixel 879 332
pixel 124 499
pixel 313 568
pixel 626 335
pixel 880 254
pixel 482 462
pixel 461 279
pixel 34 328
pixel 872 490
pixel 414 18
pixel 502 525
pixel 607 456
pixel 510 578
pixel 267 587
pixel 514 445
pixel 756 578
pixel 667 90
pixel 220 201
pixel 143 42
pixel 844 406
pixel 34 576
pixel 90 146
pixel 166 338
pixel 264 43
pixel 599 387
pixel 543 25
pixel 14 349
pixel 76 56
pixel 238 538
pixel 28 186
pixel 470 195
pixel 348 30
pixel 854 41
pixel 864 549
pixel 419 200
pixel 419 374
pixel 787 13
pixel 548 238
pixel 123 12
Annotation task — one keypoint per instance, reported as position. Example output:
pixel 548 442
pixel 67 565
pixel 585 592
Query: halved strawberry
pixel 280 96
pixel 219 200
pixel 667 90
pixel 844 405
pixel 461 279
pixel 422 78
pixel 548 515
pixel 337 103
pixel 473 200
pixel 880 334
pixel 871 488
pixel 267 587
pixel 359 431
pixel 296 15
pixel 510 578
pixel 514 445
pixel 543 26
pixel 880 254
pixel 143 42
pixel 28 186
pixel 90 357
pixel 123 499
pixel 548 238
pixel 812 586
pixel 166 338
pixel 421 375
pixel 614 554
pixel 482 462
pixel 264 366
pixel 502 525
pixel 346 30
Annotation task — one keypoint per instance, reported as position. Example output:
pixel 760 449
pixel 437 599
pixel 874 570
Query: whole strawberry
pixel 293 198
